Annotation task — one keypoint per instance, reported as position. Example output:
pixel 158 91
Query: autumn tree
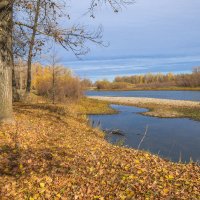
pixel 25 29
pixel 41 23
pixel 55 69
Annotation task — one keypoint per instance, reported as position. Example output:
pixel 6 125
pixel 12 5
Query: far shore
pixel 151 89
pixel 144 100
pixel 165 108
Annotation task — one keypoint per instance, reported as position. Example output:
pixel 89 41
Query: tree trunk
pixel 53 84
pixel 29 76
pixel 15 94
pixel 32 43
pixel 5 62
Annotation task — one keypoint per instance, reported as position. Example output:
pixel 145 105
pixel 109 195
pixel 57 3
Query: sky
pixel 148 36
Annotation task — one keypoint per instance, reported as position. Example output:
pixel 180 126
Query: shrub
pixel 86 83
pixel 103 85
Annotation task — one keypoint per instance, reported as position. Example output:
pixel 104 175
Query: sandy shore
pixel 164 108
pixel 141 100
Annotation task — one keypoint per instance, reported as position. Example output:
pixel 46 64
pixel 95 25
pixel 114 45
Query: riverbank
pixel 165 108
pixel 51 153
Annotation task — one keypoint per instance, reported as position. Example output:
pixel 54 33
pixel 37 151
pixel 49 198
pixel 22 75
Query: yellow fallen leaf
pixel 58 195
pixel 20 166
pixel 165 191
pixel 137 161
pixel 170 177
pixel 122 197
pixel 141 181
pixel 132 176
pixel 42 185
pixel 140 171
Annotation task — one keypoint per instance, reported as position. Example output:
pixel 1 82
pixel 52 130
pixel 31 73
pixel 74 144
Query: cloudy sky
pixel 148 36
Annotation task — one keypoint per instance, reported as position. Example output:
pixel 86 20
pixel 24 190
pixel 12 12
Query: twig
pixel 143 137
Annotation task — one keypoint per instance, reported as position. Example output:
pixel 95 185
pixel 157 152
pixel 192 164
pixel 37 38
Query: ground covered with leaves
pixel 51 153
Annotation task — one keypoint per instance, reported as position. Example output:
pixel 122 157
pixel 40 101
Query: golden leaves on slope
pixel 55 156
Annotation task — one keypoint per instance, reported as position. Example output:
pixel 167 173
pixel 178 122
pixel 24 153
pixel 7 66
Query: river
pixel 172 138
pixel 177 95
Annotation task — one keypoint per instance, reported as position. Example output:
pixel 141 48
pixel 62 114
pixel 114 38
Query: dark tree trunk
pixel 5 62
pixel 32 43
pixel 29 75
pixel 15 94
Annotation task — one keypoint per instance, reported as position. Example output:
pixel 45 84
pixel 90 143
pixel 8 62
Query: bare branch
pixel 116 5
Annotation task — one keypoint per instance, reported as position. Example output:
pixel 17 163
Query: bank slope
pixel 51 153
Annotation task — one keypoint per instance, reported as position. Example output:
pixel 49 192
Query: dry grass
pixel 94 106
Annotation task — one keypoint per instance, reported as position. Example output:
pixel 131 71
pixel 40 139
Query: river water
pixel 172 138
pixel 178 95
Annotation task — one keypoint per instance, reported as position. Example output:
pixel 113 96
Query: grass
pixel 51 153
pixel 192 113
pixel 94 106
pixel 156 110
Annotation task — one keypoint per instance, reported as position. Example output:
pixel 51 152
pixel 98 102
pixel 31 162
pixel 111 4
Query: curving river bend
pixel 172 138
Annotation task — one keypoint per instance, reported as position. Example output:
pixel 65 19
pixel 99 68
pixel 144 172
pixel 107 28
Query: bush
pixel 103 85
pixel 106 85
pixel 86 83
pixel 120 85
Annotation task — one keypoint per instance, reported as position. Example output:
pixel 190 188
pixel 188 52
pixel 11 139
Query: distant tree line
pixel 150 80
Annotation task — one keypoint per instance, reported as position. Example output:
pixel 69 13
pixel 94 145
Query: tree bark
pixel 6 62
pixel 15 94
pixel 32 43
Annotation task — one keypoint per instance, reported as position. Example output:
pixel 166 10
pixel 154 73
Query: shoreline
pixel 143 100
pixel 163 108
pixel 148 89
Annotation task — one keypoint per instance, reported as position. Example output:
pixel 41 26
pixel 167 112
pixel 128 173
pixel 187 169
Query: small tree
pixel 55 71
pixel 196 70
pixel 86 83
